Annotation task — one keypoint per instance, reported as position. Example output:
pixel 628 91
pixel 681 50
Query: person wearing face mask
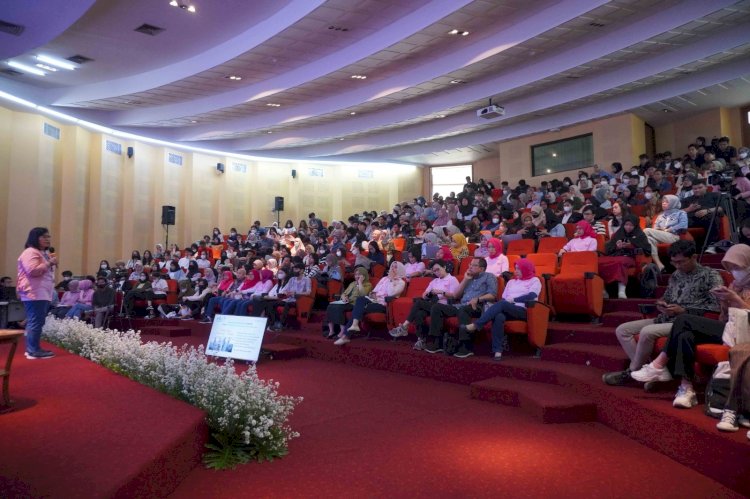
pixel 332 266
pixel 83 303
pixel 568 215
pixel 621 250
pixel 312 269
pixel 135 258
pixel 743 160
pixel 266 304
pixel 652 206
pixel 296 287
pixel 192 304
pixel 103 301
pixel 175 272
pixel 67 276
pixel 203 261
pixel 104 269
pixel 677 358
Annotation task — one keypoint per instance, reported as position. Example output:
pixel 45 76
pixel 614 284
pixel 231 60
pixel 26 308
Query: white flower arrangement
pixel 246 415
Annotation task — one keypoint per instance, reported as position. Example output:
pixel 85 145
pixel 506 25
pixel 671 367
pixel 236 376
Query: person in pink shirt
pixel 443 285
pixel 415 267
pixel 524 287
pixel 35 285
pixel 497 263
pixel 83 304
pixel 584 239
pixel 69 298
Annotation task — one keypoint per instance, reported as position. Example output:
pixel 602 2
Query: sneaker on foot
pixel 433 347
pixel 39 354
pixel 463 352
pixel 711 250
pixel 728 421
pixel 497 356
pixel 685 398
pixel 622 295
pixel 419 345
pixel 617 378
pixel 342 341
pixel 354 328
pixel 650 373
pixel 206 320
pixel 398 331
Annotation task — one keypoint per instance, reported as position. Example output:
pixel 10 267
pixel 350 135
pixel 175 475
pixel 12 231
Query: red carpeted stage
pixel 378 419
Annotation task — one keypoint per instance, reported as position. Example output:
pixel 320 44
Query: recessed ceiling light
pixel 554 154
pixel 455 32
pixel 53 61
pixel 441 116
pixel 269 132
pixel 44 66
pixel 665 110
pixel 183 6
pixel 193 121
pixel 273 104
pixel 457 82
pixel 341 138
pixel 233 77
pixel 25 68
pixel 359 77
pixel 352 113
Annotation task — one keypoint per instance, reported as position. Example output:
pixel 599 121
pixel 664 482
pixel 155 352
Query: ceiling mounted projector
pixel 490 112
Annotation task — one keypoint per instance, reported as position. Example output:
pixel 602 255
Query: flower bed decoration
pixel 246 415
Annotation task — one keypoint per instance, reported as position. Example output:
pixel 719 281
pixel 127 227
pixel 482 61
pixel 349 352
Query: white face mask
pixel 648 195
pixel 495 220
pixel 103 267
pixel 567 209
pixel 743 155
pixel 739 274
pixel 281 276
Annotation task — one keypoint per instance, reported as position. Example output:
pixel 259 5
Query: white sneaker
pixel 685 398
pixel 728 421
pixel 711 249
pixel 419 345
pixel 650 373
pixel 743 421
pixel 354 328
pixel 342 341
pixel 398 331
pixel 621 291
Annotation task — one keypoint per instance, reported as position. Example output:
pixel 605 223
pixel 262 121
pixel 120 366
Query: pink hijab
pixel 527 268
pixel 227 279
pixel 497 244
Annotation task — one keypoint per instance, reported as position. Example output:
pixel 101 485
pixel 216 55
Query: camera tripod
pixel 725 203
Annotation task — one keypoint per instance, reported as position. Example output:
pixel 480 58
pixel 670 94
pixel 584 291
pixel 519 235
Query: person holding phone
pixel 621 249
pixel 677 358
pixel 688 292
pixel 336 311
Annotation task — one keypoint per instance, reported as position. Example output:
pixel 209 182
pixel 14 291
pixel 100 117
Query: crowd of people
pixel 625 212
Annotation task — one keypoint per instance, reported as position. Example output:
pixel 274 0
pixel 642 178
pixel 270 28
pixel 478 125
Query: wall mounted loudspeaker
pixel 278 204
pixel 294 173
pixel 168 215
pixel 130 152
pixel 220 167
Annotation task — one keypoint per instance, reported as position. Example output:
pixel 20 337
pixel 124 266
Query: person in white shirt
pixel 203 261
pixel 184 262
pixel 415 267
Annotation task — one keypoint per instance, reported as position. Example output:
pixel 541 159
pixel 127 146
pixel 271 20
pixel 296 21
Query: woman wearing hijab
pixel 444 253
pixel 390 286
pixel 621 249
pixel 69 298
pixel 459 247
pixel 336 311
pixel 259 282
pixel 584 239
pixel 442 219
pixel 497 263
pixel 83 302
pixel 677 358
pixel 466 210
pixel 524 287
pixel 667 227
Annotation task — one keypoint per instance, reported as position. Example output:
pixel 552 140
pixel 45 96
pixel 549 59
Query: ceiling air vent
pixel 596 25
pixel 79 59
pixel 10 72
pixel 148 29
pixel 11 28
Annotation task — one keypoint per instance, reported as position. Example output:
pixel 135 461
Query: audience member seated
pixel 523 288
pixel 621 250
pixel 671 222
pixel 700 207
pixel 589 216
pixel 584 239
pixel 477 288
pixel 438 291
pixel 296 287
pixel 390 286
pixel 677 358
pixel 69 298
pixel 266 304
pixel 83 301
pixel 497 262
pixel 459 248
pixel 103 301
pixel 414 267
pixel 336 311
pixel 569 216
pixel 688 292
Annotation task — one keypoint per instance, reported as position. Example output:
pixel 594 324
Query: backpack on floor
pixel 450 344
pixel 649 280
pixel 717 394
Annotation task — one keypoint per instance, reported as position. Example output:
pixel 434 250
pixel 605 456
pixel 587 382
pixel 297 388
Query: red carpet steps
pixel 80 430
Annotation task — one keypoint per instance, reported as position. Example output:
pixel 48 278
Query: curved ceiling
pixel 275 77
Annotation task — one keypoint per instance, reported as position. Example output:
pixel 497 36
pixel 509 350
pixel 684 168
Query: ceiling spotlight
pixel 269 132
pixel 554 154
pixel 359 77
pixel 273 104
pixel 549 171
pixel 665 110
pixel 464 33
pixel 233 77
pixel 193 121
pixel 53 61
pixel 341 138
pixel 25 68
pixel 457 82
pixel 441 116
pixel 183 6
pixel 455 32
pixel 352 113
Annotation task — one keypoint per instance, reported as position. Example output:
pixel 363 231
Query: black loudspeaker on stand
pixel 278 207
pixel 168 214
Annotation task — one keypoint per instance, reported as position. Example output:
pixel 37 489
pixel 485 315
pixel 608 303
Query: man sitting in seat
pixel 477 287
pixel 103 301
pixel 688 292
pixel 700 208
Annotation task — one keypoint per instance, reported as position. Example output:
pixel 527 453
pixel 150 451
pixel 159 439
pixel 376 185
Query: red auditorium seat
pixel 551 244
pixel 520 247
pixel 301 310
pixel 577 289
pixel 401 306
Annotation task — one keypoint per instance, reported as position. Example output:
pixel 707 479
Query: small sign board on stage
pixel 236 337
